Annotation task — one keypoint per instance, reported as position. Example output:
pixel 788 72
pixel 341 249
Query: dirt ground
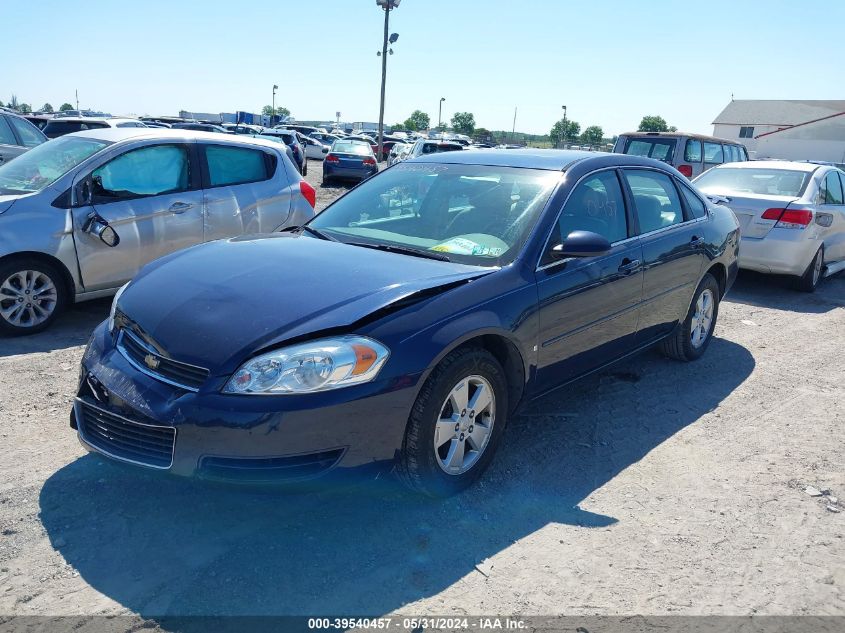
pixel 654 488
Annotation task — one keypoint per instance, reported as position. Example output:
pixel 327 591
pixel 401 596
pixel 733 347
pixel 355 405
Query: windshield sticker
pixel 463 246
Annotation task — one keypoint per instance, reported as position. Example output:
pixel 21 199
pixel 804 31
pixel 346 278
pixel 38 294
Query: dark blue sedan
pixel 406 322
pixel 349 160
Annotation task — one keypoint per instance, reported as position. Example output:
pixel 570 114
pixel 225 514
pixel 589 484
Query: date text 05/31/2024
pixel 491 623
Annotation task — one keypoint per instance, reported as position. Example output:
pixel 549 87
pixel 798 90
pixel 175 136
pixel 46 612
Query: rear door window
pixel 832 189
pixel 692 151
pixel 656 199
pixel 235 165
pixel 30 135
pixel 713 153
pixel 657 148
pixel 694 203
pixel 7 137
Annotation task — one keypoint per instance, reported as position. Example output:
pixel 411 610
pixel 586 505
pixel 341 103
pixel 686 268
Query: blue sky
pixel 609 61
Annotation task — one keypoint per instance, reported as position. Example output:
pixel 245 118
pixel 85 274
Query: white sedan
pixel 791 216
pixel 314 149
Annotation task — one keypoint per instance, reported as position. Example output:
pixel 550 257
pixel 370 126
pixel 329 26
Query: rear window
pixel 68 127
pixel 360 149
pixel 435 148
pixel 761 181
pixel 657 148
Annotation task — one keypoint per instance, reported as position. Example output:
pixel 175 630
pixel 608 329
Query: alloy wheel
pixel 702 318
pixel 465 425
pixel 27 298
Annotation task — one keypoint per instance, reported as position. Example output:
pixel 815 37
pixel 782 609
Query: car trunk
pixel 749 209
pixel 349 160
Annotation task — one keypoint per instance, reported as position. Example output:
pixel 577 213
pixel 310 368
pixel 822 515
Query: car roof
pixel 773 164
pixel 700 137
pixel 552 159
pixel 118 134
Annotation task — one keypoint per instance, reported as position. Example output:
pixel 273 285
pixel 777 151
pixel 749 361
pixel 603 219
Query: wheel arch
pixel 504 350
pixel 718 270
pixel 67 277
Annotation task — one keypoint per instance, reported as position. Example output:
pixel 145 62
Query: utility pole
pixel 564 126
pixel 273 112
pixel 76 92
pixel 513 132
pixel 440 114
pixel 388 6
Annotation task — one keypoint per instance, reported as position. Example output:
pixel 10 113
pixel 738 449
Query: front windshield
pixel 41 166
pixel 473 214
pixel 761 181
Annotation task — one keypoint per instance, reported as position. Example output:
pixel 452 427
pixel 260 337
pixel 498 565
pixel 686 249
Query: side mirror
pixel 108 235
pixel 99 227
pixel 581 244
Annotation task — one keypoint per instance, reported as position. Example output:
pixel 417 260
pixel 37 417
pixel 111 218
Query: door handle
pixel 696 241
pixel 628 266
pixel 180 207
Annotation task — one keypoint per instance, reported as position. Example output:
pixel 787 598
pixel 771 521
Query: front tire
pixel 32 294
pixel 692 337
pixel 809 281
pixel 456 424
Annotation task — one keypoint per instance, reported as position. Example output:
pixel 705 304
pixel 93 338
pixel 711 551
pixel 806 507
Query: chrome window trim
pixel 77 406
pixel 146 370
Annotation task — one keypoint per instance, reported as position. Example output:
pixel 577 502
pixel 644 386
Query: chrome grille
pixel 147 360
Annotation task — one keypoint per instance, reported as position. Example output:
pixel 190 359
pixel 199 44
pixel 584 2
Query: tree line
pixel 25 108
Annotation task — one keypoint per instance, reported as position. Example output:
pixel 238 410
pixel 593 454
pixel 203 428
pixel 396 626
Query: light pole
pixel 440 114
pixel 273 112
pixel 564 126
pixel 388 6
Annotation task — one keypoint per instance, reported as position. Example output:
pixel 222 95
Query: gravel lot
pixel 654 487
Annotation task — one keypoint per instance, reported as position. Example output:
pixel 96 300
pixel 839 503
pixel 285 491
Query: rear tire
pixel 429 449
pixel 809 281
pixel 32 294
pixel 692 337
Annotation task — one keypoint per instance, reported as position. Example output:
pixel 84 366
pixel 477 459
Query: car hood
pixel 216 304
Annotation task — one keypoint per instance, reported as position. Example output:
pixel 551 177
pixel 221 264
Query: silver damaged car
pixel 81 214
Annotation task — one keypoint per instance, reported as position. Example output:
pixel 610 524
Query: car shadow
pixel 72 328
pixel 778 292
pixel 165 547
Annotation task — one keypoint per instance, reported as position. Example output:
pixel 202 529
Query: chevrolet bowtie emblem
pixel 151 361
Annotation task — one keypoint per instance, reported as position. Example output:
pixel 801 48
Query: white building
pixel 794 129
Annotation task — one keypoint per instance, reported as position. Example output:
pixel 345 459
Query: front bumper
pixel 781 252
pixel 126 415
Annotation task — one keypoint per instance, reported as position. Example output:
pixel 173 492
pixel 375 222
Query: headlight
pixel 114 306
pixel 310 367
